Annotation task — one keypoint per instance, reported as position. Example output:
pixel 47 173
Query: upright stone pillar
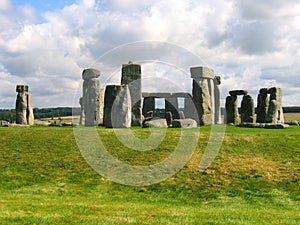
pixel 82 116
pixel 30 115
pixel 202 94
pixel 247 109
pixel 21 104
pixel 231 106
pixel 189 108
pixel 262 105
pixel 171 105
pixel 148 105
pixel 217 82
pixel 275 111
pixel 101 107
pixel 91 96
pixel 131 76
pixel 117 106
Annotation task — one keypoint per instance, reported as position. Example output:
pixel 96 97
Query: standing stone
pixel 101 106
pixel 91 96
pixel 21 104
pixel 82 116
pixel 148 105
pixel 30 115
pixel 117 107
pixel 275 111
pixel 217 82
pixel 190 110
pixel 202 96
pixel 232 115
pixel 131 76
pixel 171 105
pixel 262 105
pixel 247 109
pixel 169 118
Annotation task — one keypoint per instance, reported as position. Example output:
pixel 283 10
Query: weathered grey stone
pixel 171 105
pixel 148 105
pixel 293 122
pixel 202 72
pixel 24 109
pixel 238 92
pixel 276 126
pixel 90 73
pixel 203 94
pixel 30 115
pixel 247 109
pixel 117 107
pixel 201 97
pixel 156 122
pixel 90 101
pixel 82 116
pixel 131 76
pixel 184 123
pixel 169 118
pixel 262 105
pixel 190 110
pixel 149 115
pixel 275 111
pixel 232 115
pixel 101 107
pixel 181 115
pixel 217 95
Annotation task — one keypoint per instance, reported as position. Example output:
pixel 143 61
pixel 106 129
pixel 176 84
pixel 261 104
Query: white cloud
pixel 5 5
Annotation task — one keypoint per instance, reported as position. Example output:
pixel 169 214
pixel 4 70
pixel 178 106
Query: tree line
pixel 10 114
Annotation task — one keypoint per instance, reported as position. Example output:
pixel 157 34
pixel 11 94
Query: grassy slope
pixel 254 180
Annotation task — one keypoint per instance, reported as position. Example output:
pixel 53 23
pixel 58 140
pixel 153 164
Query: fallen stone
pixel 184 123
pixel 156 122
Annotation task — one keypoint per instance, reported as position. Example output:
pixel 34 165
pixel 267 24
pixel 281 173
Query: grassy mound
pixel 254 179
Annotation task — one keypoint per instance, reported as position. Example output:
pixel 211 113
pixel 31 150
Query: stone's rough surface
pixel 90 73
pixel 202 101
pixel 262 105
pixel 184 123
pixel 169 118
pixel 148 105
pixel 202 72
pixel 181 115
pixel 206 95
pixel 131 76
pixel 30 115
pixel 238 92
pixel 275 111
pixel 171 105
pixel 232 116
pixel 101 106
pixel 156 122
pixel 90 102
pixel 117 107
pixel 82 116
pixel 217 94
pixel 247 109
pixel 24 108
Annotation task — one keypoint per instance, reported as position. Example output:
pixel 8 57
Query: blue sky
pixel 46 44
pixel 45 5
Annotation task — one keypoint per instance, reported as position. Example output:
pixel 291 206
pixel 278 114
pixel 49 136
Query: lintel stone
pixel 238 92
pixel 202 72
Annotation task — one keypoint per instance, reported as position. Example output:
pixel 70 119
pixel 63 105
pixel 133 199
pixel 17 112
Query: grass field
pixel 254 179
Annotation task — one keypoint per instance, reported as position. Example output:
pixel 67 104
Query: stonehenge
pixel 206 95
pixel 24 108
pixel 90 100
pixel 131 76
pixel 269 107
pixel 117 107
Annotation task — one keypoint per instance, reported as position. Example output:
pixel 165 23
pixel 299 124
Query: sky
pixel 251 44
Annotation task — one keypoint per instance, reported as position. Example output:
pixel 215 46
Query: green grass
pixel 253 180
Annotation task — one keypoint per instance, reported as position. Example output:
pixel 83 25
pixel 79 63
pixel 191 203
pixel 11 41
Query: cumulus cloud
pixel 251 44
